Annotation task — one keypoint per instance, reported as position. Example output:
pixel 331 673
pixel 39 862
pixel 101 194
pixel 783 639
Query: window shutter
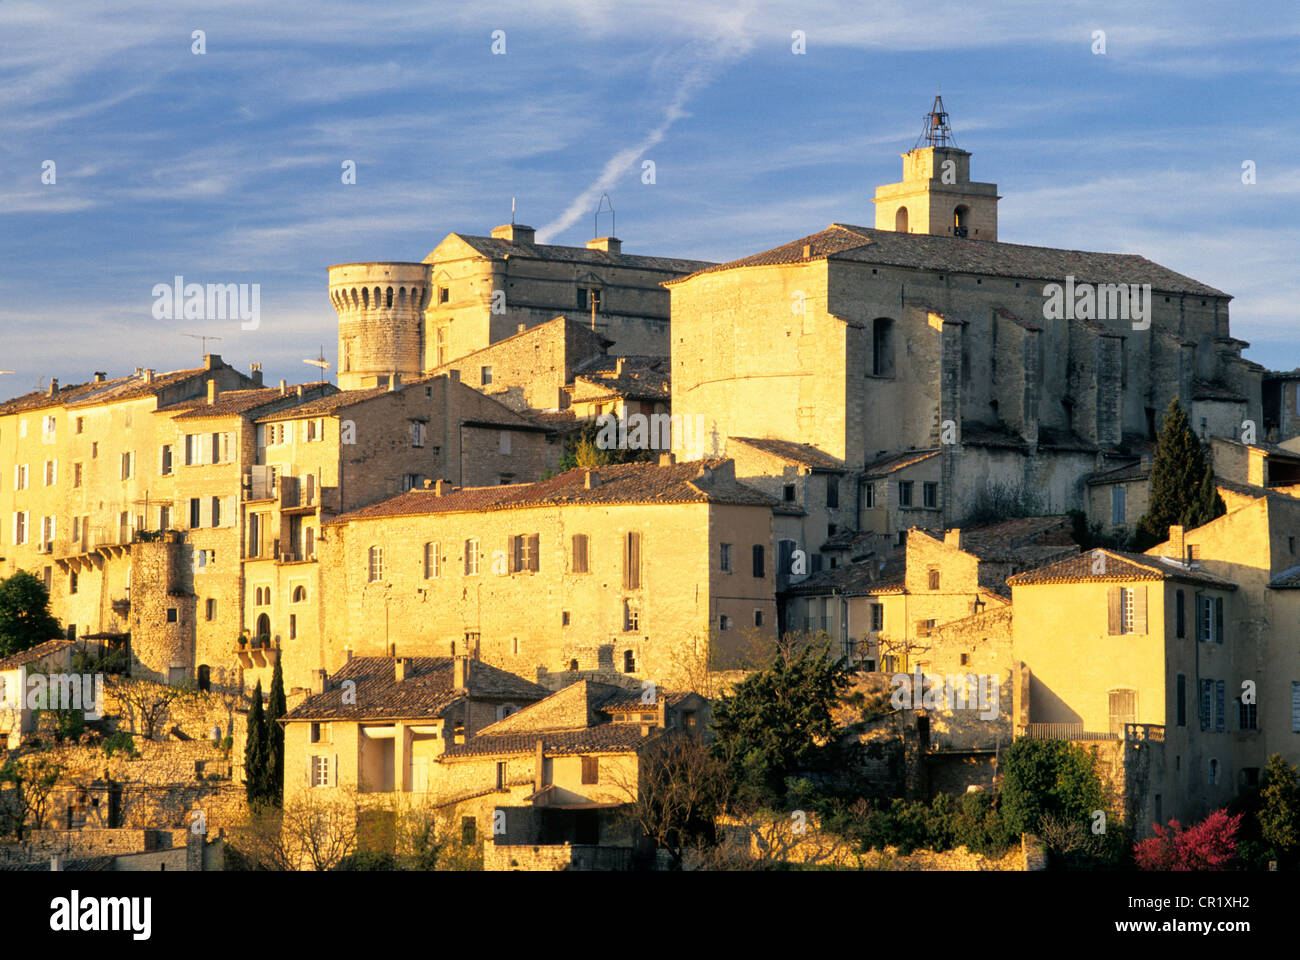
pixel 311 771
pixel 1139 609
pixel 334 771
pixel 1218 619
pixel 1206 685
pixel 1295 707
pixel 1115 611
pixel 1218 706
pixel 534 546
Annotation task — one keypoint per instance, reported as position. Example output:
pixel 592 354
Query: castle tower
pixel 380 308
pixel 937 195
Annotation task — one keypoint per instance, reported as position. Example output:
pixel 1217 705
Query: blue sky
pixel 226 167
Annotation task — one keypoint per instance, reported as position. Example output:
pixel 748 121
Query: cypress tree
pixel 276 709
pixel 1182 482
pixel 256 755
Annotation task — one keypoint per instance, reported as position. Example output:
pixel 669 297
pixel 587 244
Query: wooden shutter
pixel 579 553
pixel 1139 609
pixel 334 771
pixel 1218 619
pixel 534 547
pixel 632 561
pixel 1206 688
pixel 514 553
pixel 1115 610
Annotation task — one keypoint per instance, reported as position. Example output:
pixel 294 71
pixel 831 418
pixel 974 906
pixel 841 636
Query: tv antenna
pixel 604 198
pixel 203 339
pixel 319 361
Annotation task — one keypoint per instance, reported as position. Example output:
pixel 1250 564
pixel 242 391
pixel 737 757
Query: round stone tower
pixel 381 318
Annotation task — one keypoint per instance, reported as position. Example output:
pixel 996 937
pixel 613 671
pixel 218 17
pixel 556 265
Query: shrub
pixel 121 741
pixel 1209 845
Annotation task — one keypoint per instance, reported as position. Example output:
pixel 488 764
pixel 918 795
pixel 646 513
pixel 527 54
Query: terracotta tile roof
pixel 606 738
pixel 792 452
pixel 870 576
pixel 1120 567
pixel 605 362
pixel 234 402
pixel 134 387
pixel 1020 539
pixel 497 248
pixel 39 399
pixel 560 421
pixel 848 539
pixel 632 703
pixel 843 241
pixel 33 654
pixel 425 693
pixel 686 482
pixel 326 406
pixel 896 461
pixel 636 383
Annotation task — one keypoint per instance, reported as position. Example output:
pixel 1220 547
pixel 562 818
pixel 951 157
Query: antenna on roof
pixel 936 131
pixel 613 231
pixel 512 211
pixel 203 339
pixel 320 361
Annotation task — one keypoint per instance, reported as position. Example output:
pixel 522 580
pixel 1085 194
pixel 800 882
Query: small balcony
pixel 257 652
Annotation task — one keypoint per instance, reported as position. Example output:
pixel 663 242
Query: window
pixel 298 594
pixel 1209 618
pixel 432 561
pixel 501 774
pixel 94 449
pixel 1247 715
pixel 1180 615
pixel 444 294
pixel 787 493
pixel 934 579
pixel 376 564
pixel 410 481
pixel 210 609
pixel 485 375
pixel 924 628
pixel 588 298
pixel 758 618
pixel 877 617
pixel 1181 687
pixel 216 511
pixel 81 424
pixel 579 563
pixel 591 770
pixel 320 732
pixel 905 493
pixel 320 770
pixel 869 496
pixel 832 491
pixel 724 559
pixel 629 661
pixel 1127 610
pixel 417 433
pixel 293 626
pixel 523 553
pixel 930 495
pixel 195 511
pixel 1219 725
pixel 165 460
pixel 1214 772
pixel 72 582
pixel 20 476
pixel 564 618
pixel 128 466
pixel 471 557
pixel 882 356
pixel 503 443
pixel 1117 506
pixel 632 561
pixel 724 622
pixel 1123 709
pixel 172 615
pixel 760 563
pixel 631 616
pixel 51 472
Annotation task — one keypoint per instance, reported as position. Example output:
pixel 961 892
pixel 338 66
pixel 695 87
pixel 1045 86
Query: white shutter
pixel 334 771
pixel 228 511
pixel 27 525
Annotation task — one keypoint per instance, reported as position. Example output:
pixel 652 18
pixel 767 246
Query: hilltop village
pixel 879 435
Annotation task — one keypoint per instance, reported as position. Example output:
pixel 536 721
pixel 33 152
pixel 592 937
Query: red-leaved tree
pixel 1209 845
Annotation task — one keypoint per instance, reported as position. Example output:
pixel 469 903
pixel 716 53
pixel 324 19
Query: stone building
pixel 925 334
pixel 409 319
pixel 627 569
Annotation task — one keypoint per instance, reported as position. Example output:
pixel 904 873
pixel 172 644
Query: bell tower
pixel 937 195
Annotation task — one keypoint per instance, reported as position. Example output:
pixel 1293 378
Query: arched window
pixel 365 296
pixel 900 220
pixel 264 627
pixel 388 300
pixel 299 594
pixel 376 564
pixel 960 220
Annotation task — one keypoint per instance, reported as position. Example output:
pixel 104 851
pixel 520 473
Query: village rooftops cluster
pixel 1102 565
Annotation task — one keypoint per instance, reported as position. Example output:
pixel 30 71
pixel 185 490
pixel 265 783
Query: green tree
pixel 276 709
pixel 1279 810
pixel 1182 482
pixel 31 780
pixel 1049 778
pixel 257 756
pixel 776 720
pixel 25 618
pixel 582 450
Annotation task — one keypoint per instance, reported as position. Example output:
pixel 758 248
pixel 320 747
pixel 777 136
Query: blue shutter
pixel 1218 706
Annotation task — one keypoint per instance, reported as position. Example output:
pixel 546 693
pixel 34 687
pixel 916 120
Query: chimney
pixel 213 392
pixel 394 382
pixel 667 459
pixel 608 244
pixel 539 768
pixel 460 667
pixel 619 364
pixel 1176 542
pixel 348 653
pixel 302 391
pixel 428 484
pixel 442 488
pixel 392 649
pixel 148 374
pixel 400 665
pixel 212 361
pixel 54 386
pixel 953 538
pixel 514 232
pixel 520 328
pixel 591 479
pixel 56 862
pixel 100 376
pixel 284 388
pixel 255 373
pixel 453 376
pixel 807 251
pixel 318 682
